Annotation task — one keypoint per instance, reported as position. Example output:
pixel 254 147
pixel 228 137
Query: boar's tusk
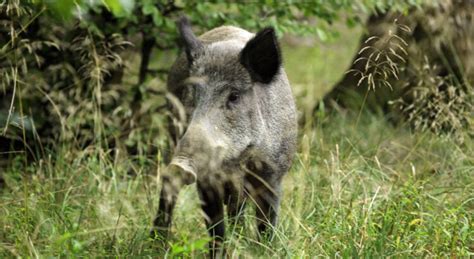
pixel 185 168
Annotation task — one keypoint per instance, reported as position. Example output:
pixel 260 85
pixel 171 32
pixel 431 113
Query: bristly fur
pixel 241 127
pixel 261 56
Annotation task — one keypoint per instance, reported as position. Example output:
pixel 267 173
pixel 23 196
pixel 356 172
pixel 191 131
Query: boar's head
pixel 223 90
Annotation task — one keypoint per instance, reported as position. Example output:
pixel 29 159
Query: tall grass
pixel 371 190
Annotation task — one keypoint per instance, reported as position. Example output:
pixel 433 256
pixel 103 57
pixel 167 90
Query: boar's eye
pixel 233 98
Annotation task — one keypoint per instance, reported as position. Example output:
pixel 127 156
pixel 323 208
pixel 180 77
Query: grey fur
pixel 231 148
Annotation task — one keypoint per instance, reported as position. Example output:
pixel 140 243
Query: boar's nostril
pixel 184 168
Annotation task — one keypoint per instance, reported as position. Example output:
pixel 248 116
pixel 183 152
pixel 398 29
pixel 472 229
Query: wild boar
pixel 241 129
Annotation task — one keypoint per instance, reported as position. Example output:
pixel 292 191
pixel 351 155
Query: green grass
pixel 358 188
pixel 365 190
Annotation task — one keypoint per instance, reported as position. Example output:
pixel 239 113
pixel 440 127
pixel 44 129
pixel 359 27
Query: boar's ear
pixel 192 45
pixel 261 56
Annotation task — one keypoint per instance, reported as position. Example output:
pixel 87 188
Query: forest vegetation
pixel 385 98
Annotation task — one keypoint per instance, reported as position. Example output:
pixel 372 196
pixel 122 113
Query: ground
pixel 359 186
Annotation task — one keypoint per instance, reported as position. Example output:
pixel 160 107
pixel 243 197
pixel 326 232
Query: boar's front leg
pixel 212 204
pixel 168 196
pixel 267 204
pixel 235 201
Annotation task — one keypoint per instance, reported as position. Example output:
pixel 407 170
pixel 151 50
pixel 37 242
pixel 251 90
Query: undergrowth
pixel 367 190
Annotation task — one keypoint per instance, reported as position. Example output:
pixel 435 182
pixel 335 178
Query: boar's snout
pixel 200 149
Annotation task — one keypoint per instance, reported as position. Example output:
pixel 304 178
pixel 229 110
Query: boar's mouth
pixel 184 168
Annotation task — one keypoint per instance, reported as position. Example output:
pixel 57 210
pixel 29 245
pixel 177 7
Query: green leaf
pixel 120 8
pixel 157 18
pixel 148 8
pixel 61 9
pixel 321 34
